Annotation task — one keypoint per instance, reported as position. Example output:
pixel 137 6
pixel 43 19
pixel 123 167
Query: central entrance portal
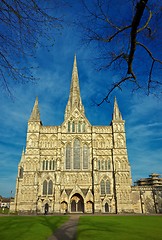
pixel 77 203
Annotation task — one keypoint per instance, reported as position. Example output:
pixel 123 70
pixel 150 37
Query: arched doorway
pixel 106 207
pixel 46 208
pixel 73 206
pixel 77 203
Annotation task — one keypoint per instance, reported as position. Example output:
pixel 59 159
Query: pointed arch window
pixel 76 154
pixel 43 167
pixel 79 126
pixel 69 123
pixel 108 165
pixel 85 156
pixel 53 165
pixel 107 187
pixel 68 156
pixel 45 187
pixel 99 165
pixel 50 187
pixel 46 164
pixel 73 126
pixel 50 165
pixel 102 165
pixel 21 172
pixel 83 127
pixel 102 185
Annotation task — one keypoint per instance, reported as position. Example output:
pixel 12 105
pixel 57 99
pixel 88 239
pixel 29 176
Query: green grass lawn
pixel 29 227
pixel 120 228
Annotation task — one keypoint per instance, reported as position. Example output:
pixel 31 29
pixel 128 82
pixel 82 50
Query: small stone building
pixel 147 193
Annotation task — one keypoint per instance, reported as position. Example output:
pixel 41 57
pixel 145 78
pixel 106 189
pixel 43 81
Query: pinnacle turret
pixel 116 114
pixel 35 115
pixel 74 97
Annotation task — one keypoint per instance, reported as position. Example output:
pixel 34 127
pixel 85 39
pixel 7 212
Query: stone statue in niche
pixel 120 141
pixel 58 164
pixel 95 163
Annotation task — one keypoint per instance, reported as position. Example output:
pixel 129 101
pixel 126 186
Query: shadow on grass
pixel 120 228
pixel 29 227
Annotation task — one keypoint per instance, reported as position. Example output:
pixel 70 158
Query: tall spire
pixel 116 114
pixel 35 115
pixel 74 97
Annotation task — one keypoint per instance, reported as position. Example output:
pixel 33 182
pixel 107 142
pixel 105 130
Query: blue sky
pixel 143 114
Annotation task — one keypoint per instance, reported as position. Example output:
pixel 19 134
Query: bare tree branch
pixel 147 22
pixel 140 7
pixel 119 38
pixel 116 85
pixel 24 26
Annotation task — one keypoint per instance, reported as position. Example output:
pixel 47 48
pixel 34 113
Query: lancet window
pixel 85 156
pixel 47 187
pixel 73 126
pixel 76 126
pixel 50 187
pixel 77 155
pixel 68 156
pixel 69 126
pixel 104 165
pixel 48 165
pixel 105 187
pixel 21 172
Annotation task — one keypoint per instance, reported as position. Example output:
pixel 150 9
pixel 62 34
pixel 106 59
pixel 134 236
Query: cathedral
pixel 76 167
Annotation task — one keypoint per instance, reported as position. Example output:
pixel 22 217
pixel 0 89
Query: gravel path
pixel 67 231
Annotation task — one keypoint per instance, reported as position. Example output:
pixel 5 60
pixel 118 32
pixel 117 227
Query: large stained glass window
pixel 69 126
pixel 107 187
pixel 50 187
pixel 73 126
pixel 45 187
pixel 102 185
pixel 68 156
pixel 76 154
pixel 85 156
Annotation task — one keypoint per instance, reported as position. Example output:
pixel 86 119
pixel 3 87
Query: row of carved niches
pixel 76 126
pixel 76 178
pixel 122 178
pixel 104 165
pixel 102 142
pixel 118 127
pixel 121 163
pixel 51 141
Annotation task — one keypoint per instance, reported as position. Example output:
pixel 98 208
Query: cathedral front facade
pixel 75 167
